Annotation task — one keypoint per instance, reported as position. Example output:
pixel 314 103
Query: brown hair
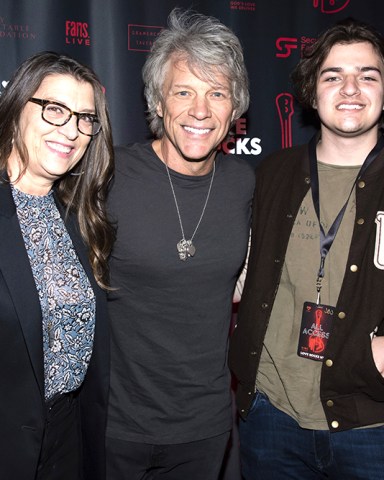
pixel 305 75
pixel 82 194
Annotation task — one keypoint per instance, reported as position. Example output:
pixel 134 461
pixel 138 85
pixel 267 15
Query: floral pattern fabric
pixel 66 296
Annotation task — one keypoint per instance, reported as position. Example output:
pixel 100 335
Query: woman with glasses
pixel 56 162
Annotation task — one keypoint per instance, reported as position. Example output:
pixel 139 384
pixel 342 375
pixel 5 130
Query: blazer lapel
pixel 17 273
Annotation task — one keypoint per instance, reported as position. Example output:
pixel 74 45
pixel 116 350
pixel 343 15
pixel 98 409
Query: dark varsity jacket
pixel 351 387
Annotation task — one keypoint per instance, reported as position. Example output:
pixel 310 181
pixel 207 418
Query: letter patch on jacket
pixel 378 259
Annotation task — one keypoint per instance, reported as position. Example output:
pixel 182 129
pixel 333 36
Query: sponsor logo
pixel 284 105
pixel 141 37
pixel 330 6
pixel 286 45
pixel 239 144
pixel 306 42
pixel 77 33
pixel 245 6
pixel 15 31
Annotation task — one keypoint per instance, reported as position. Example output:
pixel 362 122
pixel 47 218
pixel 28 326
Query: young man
pixel 308 339
pixel 183 217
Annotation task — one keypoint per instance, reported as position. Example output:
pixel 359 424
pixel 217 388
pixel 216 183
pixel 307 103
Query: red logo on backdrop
pixel 241 5
pixel 141 37
pixel 15 31
pixel 285 45
pixel 330 6
pixel 284 104
pixel 76 33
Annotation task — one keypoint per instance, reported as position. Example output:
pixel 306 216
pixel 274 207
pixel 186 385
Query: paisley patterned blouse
pixel 66 296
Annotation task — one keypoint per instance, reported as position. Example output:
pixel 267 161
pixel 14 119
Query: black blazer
pixel 21 358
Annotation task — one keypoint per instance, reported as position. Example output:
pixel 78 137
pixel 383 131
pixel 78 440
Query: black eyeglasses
pixel 58 114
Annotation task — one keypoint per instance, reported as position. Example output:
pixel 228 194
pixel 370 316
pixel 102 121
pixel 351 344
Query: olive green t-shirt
pixel 292 383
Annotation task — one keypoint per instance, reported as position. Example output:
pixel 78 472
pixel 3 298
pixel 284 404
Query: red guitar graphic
pixel 284 103
pixel 315 342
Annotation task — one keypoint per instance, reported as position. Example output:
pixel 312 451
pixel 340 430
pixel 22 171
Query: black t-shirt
pixel 170 318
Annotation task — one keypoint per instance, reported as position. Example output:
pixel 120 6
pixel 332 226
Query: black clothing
pixel 170 318
pixel 351 388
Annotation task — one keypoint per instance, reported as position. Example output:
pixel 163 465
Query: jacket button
pixel 354 268
pixel 329 403
pixel 335 424
pixel 264 306
pixel 249 393
pixel 253 354
pixel 360 221
pixel 361 184
pixel 341 315
pixel 329 362
pixel 307 180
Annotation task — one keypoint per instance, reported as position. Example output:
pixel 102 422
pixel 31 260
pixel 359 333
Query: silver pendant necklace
pixel 185 248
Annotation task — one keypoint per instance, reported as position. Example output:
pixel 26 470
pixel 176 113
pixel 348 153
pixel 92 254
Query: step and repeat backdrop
pixel 114 36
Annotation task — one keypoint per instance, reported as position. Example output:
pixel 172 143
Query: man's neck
pixel 181 165
pixel 348 151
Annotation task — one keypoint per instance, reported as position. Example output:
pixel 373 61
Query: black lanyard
pixel 326 240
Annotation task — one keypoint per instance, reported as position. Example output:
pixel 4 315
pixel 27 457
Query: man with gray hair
pixel 183 213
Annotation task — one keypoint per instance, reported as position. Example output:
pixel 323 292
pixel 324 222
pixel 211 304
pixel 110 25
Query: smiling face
pixel 197 116
pixel 350 92
pixel 52 151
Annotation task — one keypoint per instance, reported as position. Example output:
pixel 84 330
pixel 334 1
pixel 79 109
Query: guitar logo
pixel 316 343
pixel 284 104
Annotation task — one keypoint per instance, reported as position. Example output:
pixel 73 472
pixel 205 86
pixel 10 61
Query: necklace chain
pixel 185 247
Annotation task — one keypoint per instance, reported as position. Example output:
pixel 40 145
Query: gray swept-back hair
pixel 208 47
